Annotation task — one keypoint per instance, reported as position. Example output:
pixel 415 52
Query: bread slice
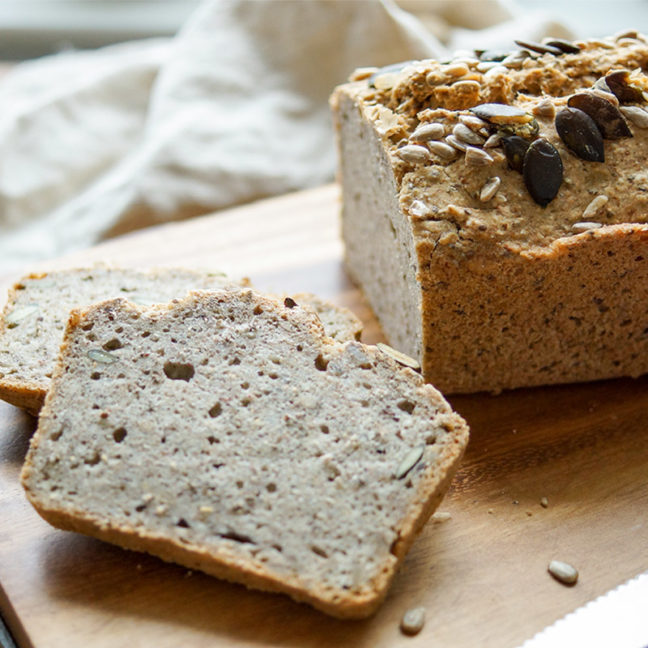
pixel 227 433
pixel 34 318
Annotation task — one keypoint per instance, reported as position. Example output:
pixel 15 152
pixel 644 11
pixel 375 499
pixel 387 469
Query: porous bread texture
pixel 227 433
pixel 38 308
pixel 502 293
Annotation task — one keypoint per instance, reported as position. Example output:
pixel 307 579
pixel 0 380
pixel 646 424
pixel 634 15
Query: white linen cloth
pixel 234 108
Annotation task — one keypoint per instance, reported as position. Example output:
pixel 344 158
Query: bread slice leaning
pixel 34 318
pixel 227 433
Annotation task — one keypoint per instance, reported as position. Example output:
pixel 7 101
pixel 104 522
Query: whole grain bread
pixel 226 432
pixel 38 308
pixel 502 255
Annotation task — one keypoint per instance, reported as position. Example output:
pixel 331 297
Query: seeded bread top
pixel 452 156
pixel 227 424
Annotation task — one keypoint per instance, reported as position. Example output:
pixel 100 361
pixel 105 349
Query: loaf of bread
pixel 226 432
pixel 34 318
pixel 495 210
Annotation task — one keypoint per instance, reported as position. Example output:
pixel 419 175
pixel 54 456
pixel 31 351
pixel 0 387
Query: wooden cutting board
pixel 481 574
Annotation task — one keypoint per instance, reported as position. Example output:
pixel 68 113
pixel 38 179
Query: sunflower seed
pixel 607 117
pixel 501 114
pixel 515 149
pixel 485 66
pixel 540 49
pixel 408 462
pixel 464 134
pixel 490 188
pixel 101 356
pixel 626 33
pixel 413 621
pixel 456 143
pixel 426 132
pixel 542 171
pixel 580 134
pixel 496 71
pixel 444 151
pixel 456 69
pixel 494 140
pixel 362 73
pixel 620 86
pixel 477 157
pixel 474 123
pixel 638 116
pixel 414 154
pixel 544 109
pixel 19 314
pixel 564 46
pixel 384 78
pixel 595 205
pixel 585 226
pixel 563 572
pixel 515 61
pixel 467 86
pixel 401 358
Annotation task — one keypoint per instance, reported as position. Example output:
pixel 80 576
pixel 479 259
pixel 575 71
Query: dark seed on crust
pixel 543 171
pixel 493 55
pixel 537 47
pixel 580 134
pixel 497 113
pixel 607 117
pixel 619 84
pixel 515 149
pixel 392 68
pixel 564 46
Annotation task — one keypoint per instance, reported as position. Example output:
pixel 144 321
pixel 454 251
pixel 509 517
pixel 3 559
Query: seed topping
pixel 607 117
pixel 490 188
pixel 542 171
pixel 501 114
pixel 580 134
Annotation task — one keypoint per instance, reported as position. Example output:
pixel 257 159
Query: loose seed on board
pixel 414 154
pixel 101 356
pixel 501 114
pixel 464 134
pixel 544 109
pixel 413 621
pixel 477 157
pixel 540 49
pixel 607 117
pixel 544 502
pixel 490 188
pixel 456 143
pixel 593 208
pixel 515 149
pixel 409 461
pixel 585 226
pixel 401 358
pixel 563 572
pixel 426 132
pixel 580 134
pixel 542 171
pixel 637 116
pixel 443 150
pixel 19 314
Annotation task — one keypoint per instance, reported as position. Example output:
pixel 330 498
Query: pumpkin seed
pixel 99 355
pixel 426 132
pixel 580 134
pixel 539 48
pixel 19 314
pixel 493 55
pixel 389 71
pixel 637 115
pixel 621 87
pixel 543 171
pixel 501 114
pixel 490 188
pixel 414 154
pixel 413 621
pixel 563 572
pixel 409 461
pixel 607 117
pixel 566 47
pixel 515 149
pixel 401 358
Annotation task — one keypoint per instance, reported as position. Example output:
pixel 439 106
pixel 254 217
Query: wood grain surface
pixel 481 574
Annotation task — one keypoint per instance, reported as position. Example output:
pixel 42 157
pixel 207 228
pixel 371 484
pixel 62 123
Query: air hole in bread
pixel 271 487
pixel 239 484
pixel 319 551
pixel 92 460
pixel 146 334
pixel 95 375
pixel 246 401
pixel 183 523
pixel 237 537
pixel 324 429
pixel 88 326
pixel 300 347
pixel 257 310
pixel 212 439
pixel 321 362
pixel 119 434
pixel 179 370
pixel 245 385
pixel 273 376
pixel 140 507
pixel 56 435
pixel 113 344
pixel 406 406
pixel 234 361
pixel 216 410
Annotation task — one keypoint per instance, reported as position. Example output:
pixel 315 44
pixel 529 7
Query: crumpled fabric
pixel 234 108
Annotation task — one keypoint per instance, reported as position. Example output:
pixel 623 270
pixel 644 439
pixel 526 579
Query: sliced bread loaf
pixel 34 318
pixel 227 433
